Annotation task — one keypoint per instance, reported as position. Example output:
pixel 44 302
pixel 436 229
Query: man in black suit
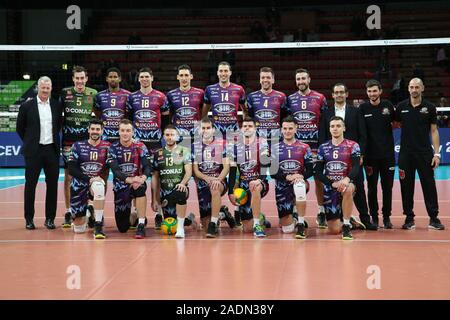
pixel 38 125
pixel 355 129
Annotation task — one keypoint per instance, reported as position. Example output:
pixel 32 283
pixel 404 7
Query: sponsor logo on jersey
pixel 146 114
pixel 248 166
pixel 91 167
pixel 385 112
pixel 113 113
pixel 127 168
pixel 266 114
pixel 74 110
pixel 186 112
pixel 336 166
pixel 304 116
pixel 224 108
pixel 289 165
pixel 171 171
pixel 424 110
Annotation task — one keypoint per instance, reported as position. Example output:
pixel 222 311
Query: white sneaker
pixel 180 233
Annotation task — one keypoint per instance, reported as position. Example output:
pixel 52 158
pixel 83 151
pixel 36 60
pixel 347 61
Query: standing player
pixel 129 162
pixel 210 169
pixel 172 171
pixel 306 106
pixel 224 99
pixel 338 164
pixel 149 112
pixel 111 105
pixel 78 102
pixel 380 159
pixel 418 119
pixel 295 166
pixel 249 154
pixel 86 163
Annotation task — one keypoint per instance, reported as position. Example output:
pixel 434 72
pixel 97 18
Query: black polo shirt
pixel 416 124
pixel 378 119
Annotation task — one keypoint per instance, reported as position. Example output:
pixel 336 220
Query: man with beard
pixel 380 159
pixel 86 162
pixel 307 106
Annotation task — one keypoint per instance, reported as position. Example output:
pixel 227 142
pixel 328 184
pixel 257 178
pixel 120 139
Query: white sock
pixel 214 219
pixel 98 215
pixel 180 223
pixel 301 219
pixel 295 209
pixel 133 209
pixel 347 221
pixel 236 208
pixel 142 220
pixel 221 215
pixel 255 222
pixel 321 209
pixel 67 209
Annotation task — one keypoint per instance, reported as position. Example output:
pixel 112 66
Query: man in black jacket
pixel 355 130
pixel 38 125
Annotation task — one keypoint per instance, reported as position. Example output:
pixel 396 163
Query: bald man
pixel 419 120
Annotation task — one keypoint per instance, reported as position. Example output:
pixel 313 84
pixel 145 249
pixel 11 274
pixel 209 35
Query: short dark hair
pixel 96 121
pixel 79 69
pixel 302 70
pixel 114 69
pixel 267 69
pixel 185 67
pixel 339 84
pixel 145 69
pixel 224 63
pixel 170 126
pixel 288 119
pixel 207 119
pixel 337 118
pixel 249 119
pixel 125 122
pixel 373 83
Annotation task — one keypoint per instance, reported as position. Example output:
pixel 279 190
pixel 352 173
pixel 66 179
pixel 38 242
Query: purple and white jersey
pixel 248 157
pixel 209 157
pixel 145 110
pixel 266 110
pixel 112 107
pixel 338 159
pixel 306 111
pixel 185 107
pixel 91 159
pixel 292 158
pixel 225 105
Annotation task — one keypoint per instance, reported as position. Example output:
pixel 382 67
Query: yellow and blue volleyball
pixel 241 196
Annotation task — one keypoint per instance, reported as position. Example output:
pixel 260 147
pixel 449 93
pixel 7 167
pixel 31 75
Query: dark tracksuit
pixel 380 158
pixel 416 153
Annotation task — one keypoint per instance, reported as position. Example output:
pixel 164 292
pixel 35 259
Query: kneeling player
pixel 295 166
pixel 337 165
pixel 172 171
pixel 86 163
pixel 210 169
pixel 248 154
pixel 129 162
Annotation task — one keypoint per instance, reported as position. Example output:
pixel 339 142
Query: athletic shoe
pixel 321 220
pixel 357 224
pixel 375 221
pixel 387 223
pixel 212 230
pixel 158 221
pixel 346 233
pixel 409 225
pixel 258 231
pixel 180 233
pixel 190 221
pixel 228 217
pixel 140 231
pixel 368 225
pixel 300 231
pixel 263 221
pixel 98 231
pixel 67 220
pixel 436 224
pixel 91 216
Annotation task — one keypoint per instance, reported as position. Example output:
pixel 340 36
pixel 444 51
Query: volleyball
pixel 169 226
pixel 241 196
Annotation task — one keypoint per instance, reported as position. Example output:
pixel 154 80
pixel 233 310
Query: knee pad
pixel 98 190
pixel 79 228
pixel 288 229
pixel 300 191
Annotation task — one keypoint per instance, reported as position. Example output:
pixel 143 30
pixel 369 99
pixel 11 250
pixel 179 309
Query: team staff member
pixel 418 119
pixel 38 125
pixel 380 160
pixel 355 130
